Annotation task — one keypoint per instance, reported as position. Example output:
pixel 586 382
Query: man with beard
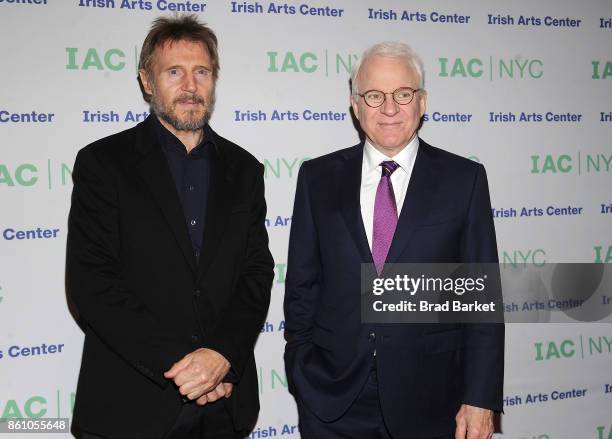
pixel 167 259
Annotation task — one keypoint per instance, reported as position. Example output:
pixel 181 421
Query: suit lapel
pixel 349 192
pixel 218 209
pixel 153 170
pixel 417 202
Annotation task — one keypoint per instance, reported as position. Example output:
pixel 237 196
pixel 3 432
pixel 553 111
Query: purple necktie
pixel 385 216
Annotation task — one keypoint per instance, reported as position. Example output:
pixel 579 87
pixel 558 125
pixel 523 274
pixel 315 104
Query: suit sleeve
pixel 94 281
pixel 303 272
pixel 483 342
pixel 239 325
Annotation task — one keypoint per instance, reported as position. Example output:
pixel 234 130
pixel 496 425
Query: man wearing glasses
pixel 390 199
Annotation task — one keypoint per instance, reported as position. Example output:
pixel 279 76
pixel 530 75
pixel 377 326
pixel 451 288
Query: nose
pixel 389 107
pixel 189 84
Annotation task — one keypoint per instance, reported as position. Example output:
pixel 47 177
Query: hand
pixel 223 390
pixel 199 372
pixel 475 422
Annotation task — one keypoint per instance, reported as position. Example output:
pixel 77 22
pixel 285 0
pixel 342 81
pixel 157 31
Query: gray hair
pixel 391 49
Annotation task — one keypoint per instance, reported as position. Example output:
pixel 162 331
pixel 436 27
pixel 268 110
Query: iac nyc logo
pixel 579 347
pixel 523 257
pixel 577 163
pixel 323 62
pixel 271 379
pixel 602 69
pixel 604 432
pixel 28 175
pixel 491 68
pixel 99 59
pixel 603 254
pixel 59 404
pixel 282 167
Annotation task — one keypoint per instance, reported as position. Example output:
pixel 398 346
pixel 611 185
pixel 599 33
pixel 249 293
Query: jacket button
pixel 197 293
pixel 195 338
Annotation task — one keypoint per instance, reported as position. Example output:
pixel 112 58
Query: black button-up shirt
pixel 191 175
pixel 190 172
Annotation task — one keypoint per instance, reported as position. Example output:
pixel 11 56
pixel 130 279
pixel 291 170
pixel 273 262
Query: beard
pixel 191 120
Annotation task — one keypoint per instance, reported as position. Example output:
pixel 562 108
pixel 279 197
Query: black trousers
pixel 212 421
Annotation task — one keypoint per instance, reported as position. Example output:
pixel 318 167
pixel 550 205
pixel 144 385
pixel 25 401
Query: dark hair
pixel 172 29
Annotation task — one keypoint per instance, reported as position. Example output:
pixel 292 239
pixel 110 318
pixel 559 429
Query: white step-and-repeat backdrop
pixel 524 87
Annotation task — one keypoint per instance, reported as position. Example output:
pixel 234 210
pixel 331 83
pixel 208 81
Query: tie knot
pixel 388 167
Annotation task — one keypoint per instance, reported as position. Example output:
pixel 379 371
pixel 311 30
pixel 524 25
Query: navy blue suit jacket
pixel 425 371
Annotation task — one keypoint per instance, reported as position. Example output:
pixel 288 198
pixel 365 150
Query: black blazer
pixel 132 274
pixel 425 371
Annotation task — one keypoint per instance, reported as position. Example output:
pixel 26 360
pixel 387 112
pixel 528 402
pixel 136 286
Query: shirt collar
pixel 171 143
pixel 372 158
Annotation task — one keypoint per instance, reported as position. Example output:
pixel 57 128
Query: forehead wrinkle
pixel 166 47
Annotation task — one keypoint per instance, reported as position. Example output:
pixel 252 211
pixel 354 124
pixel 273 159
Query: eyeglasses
pixel 375 98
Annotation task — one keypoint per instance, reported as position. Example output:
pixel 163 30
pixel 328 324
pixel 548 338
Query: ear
pixel 146 84
pixel 355 106
pixel 422 102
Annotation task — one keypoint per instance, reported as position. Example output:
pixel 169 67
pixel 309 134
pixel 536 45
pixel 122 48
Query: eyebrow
pixel 181 67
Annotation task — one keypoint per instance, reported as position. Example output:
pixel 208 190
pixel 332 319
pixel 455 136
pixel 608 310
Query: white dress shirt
pixel 371 172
